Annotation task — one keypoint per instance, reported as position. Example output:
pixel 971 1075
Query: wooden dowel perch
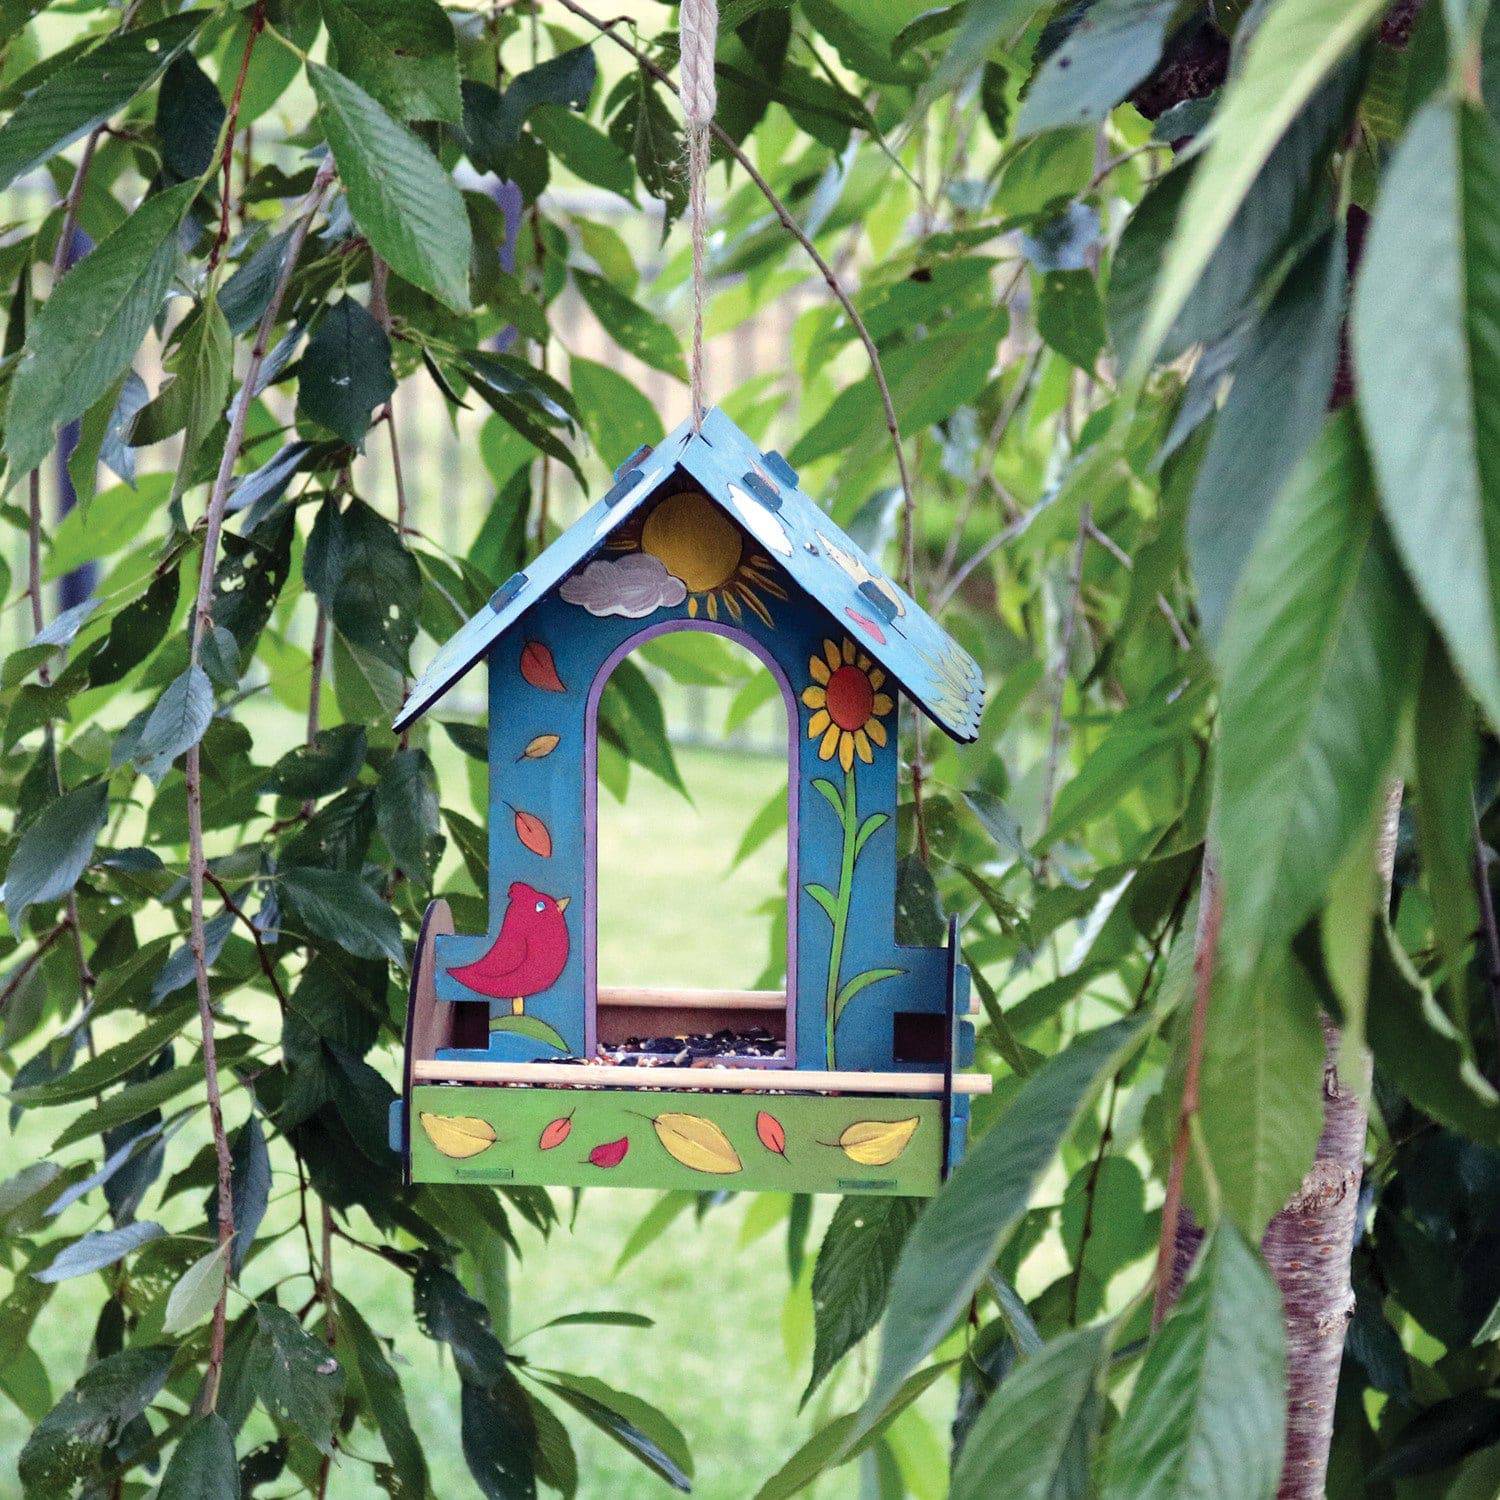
pixel 782 1080
pixel 695 999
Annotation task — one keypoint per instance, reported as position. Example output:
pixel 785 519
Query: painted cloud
pixel 632 586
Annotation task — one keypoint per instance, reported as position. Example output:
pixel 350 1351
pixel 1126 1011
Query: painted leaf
pixel 541 747
pixel 532 832
pixel 538 668
pixel 697 1143
pixel 611 1153
pixel 530 1026
pixel 876 1143
pixel 458 1135
pixel 556 1133
pixel 771 1132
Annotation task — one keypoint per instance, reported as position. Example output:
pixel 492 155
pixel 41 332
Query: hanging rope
pixel 698 25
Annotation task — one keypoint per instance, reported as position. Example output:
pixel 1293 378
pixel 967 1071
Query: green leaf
pixel 1070 316
pixel 1426 344
pixel 179 720
pixel 109 522
pixel 1297 44
pixel 635 330
pixel 189 115
pixel 91 326
pixel 102 1247
pixel 825 898
pixel 1446 759
pixel 55 850
pixel 1318 666
pixel 968 1223
pixel 1261 1091
pixel 769 820
pixel 531 1027
pixel 69 1441
pixel 1274 412
pixel 619 418
pixel 1113 46
pixel 249 1190
pixel 984 27
pixel 331 762
pixel 406 204
pixel 585 151
pixel 203 1465
pixel 195 1292
pixel 369 583
pixel 858 982
pixel 852 1275
pixel 295 1375
pixel 87 90
pixel 644 127
pixel 110 1065
pixel 405 56
pixel 339 907
pixel 637 1426
pixel 1207 1416
pixel 406 811
pixel 838 1442
pixel 499 1438
pixel 386 1399
pixel 1034 1437
pixel 1416 1043
pixel 345 371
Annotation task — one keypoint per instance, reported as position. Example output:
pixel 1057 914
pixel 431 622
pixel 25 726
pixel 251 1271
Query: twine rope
pixel 698 28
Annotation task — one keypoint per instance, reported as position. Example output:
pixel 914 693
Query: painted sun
pixel 696 542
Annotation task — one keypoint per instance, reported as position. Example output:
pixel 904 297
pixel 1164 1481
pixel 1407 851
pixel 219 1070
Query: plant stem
pixel 841 919
pixel 197 862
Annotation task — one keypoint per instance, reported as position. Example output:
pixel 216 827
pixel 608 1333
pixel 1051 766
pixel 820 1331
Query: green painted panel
pixel 644 1138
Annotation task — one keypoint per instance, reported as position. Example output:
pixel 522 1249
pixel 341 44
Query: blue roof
pixel 759 491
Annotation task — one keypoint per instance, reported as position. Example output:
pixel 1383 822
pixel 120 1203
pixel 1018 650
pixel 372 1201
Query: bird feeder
pixel 517 1066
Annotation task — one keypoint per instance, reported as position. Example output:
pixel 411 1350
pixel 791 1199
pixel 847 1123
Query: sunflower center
pixel 694 540
pixel 851 699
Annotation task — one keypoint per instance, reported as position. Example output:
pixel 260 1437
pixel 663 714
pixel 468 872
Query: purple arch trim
pixel 591 818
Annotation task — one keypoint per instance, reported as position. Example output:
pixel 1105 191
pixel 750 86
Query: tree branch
pixel 197 863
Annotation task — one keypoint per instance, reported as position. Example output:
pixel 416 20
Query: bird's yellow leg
pixel 518 1005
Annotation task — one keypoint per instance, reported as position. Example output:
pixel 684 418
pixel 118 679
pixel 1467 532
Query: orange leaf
pixel 771 1132
pixel 542 746
pixel 532 832
pixel 538 668
pixel 556 1133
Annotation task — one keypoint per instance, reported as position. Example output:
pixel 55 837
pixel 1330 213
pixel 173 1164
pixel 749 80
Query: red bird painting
pixel 530 953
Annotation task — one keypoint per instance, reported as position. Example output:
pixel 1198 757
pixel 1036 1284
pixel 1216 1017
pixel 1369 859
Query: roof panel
pixel 760 491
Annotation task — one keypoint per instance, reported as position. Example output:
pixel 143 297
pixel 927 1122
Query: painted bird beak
pixel 563 904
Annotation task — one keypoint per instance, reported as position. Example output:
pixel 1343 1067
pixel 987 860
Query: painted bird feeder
pixel 518 1066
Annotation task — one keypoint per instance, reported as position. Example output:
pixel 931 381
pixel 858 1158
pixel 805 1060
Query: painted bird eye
pixel 541 906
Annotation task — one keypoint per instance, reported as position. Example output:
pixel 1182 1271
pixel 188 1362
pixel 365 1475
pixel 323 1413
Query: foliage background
pixel 1187 319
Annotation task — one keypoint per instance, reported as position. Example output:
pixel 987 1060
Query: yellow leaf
pixel 697 1143
pixel 458 1135
pixel 877 1143
pixel 542 746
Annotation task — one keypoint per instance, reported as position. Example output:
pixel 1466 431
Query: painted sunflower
pixel 847 703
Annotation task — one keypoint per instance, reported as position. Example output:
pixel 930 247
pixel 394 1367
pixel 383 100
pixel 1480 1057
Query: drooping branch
pixel 197 862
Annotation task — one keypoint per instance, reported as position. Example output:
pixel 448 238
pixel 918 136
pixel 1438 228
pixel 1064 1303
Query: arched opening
pixel 690 933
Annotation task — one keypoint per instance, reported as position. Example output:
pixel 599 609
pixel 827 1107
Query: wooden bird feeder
pixel 513 1071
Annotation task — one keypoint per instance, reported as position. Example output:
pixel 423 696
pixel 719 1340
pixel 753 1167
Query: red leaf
pixel 532 832
pixel 556 1133
pixel 611 1153
pixel 772 1134
pixel 538 668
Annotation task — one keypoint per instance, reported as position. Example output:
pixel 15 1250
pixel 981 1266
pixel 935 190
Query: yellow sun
pixel 847 704
pixel 696 542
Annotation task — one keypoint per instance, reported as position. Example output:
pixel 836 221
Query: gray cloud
pixel 632 586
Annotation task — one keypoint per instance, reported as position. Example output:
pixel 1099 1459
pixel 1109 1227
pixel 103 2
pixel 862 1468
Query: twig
pixel 231 124
pixel 330 1330
pixel 1060 665
pixel 268 968
pixel 197 862
pixel 17 979
pixel 1205 948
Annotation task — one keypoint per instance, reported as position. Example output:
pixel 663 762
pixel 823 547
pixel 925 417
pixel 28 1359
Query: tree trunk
pixel 1308 1245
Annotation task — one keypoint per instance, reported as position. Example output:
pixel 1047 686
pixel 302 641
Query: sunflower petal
pixel 876 730
pixel 848 651
pixel 882 704
pixel 814 696
pixel 819 669
pixel 877 678
pixel 830 742
pixel 818 724
pixel 862 746
pixel 831 651
pixel 846 751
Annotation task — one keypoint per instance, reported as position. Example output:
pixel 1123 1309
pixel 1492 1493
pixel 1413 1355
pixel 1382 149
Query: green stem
pixel 841 920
